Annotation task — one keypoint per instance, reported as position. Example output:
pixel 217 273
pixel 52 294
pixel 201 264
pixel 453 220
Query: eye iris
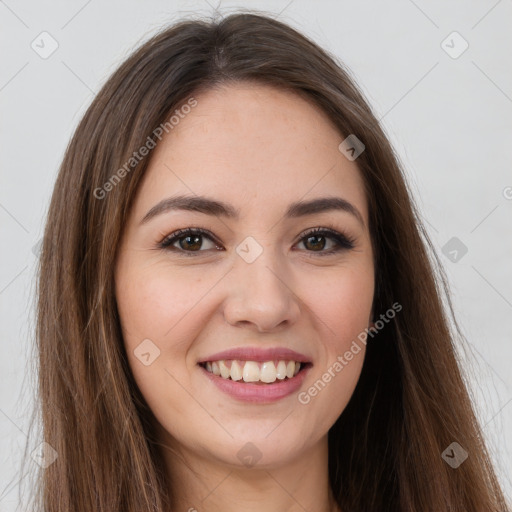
pixel 313 237
pixel 195 245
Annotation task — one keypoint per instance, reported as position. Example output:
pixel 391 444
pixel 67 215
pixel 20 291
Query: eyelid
pixel 343 240
pixel 180 233
pixel 327 230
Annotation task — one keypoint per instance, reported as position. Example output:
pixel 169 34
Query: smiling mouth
pixel 255 372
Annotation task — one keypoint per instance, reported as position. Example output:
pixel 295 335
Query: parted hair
pixel 411 401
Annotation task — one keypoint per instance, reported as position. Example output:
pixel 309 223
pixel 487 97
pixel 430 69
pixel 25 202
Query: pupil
pixel 197 243
pixel 197 239
pixel 313 237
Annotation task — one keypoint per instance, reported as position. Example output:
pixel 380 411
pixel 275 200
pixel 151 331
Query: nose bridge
pixel 260 291
pixel 259 265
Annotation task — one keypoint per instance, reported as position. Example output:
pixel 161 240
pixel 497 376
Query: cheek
pixel 159 323
pixel 155 304
pixel 154 310
pixel 342 308
pixel 341 302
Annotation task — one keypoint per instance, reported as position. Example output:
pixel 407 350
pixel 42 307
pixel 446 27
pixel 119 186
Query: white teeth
pixel 224 370
pixel 290 369
pixel 236 371
pixel 281 370
pixel 268 372
pixel 252 371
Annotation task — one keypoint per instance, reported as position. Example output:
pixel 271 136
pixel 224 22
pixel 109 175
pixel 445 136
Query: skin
pixel 259 149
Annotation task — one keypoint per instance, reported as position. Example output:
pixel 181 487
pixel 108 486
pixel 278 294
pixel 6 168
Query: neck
pixel 202 483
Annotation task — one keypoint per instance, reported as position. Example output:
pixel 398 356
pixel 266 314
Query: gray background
pixel 448 118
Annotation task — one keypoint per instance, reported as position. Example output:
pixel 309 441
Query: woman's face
pixel 256 282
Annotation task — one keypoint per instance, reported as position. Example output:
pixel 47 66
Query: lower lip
pixel 258 393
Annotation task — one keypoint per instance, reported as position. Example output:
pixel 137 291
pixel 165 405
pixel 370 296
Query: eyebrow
pixel 216 208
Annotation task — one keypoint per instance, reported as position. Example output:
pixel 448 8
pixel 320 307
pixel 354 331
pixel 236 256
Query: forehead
pixel 253 146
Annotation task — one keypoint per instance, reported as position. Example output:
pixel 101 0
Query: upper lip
pixel 258 354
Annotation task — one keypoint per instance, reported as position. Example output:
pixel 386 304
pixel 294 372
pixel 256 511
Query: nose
pixel 260 294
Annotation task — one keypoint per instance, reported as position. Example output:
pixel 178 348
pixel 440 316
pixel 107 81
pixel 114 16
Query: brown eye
pixel 188 240
pixel 192 242
pixel 315 242
pixel 317 239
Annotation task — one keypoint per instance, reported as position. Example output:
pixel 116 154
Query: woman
pixel 237 298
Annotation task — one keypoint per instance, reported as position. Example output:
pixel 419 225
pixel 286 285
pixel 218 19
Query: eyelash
pixel 343 241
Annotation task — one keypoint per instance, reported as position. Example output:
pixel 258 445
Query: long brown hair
pixel 411 400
